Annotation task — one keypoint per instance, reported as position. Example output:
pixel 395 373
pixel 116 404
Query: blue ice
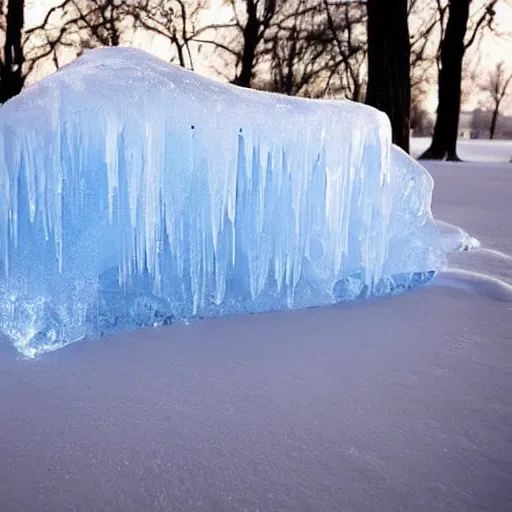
pixel 136 193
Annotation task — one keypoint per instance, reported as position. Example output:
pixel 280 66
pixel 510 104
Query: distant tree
pixel 496 88
pixel 83 24
pixel 295 48
pixel 425 20
pixel 389 86
pixel 242 37
pixel 422 123
pixel 307 47
pixel 12 60
pixel 480 120
pixel 174 20
pixel 316 48
pixel 347 22
pixel 455 40
pixel 78 25
pixel 259 15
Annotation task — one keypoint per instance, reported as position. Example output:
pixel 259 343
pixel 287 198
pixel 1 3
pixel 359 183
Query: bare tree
pixel 175 20
pixel 422 123
pixel 314 49
pixel 78 25
pixel 294 51
pixel 461 32
pixel 426 24
pixel 242 37
pixel 389 86
pixel 347 22
pixel 496 88
pixel 11 63
pixel 480 120
pixel 82 24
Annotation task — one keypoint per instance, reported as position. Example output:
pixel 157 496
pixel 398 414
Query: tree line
pixel 379 52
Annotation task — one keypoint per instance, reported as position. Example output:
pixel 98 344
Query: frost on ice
pixel 137 193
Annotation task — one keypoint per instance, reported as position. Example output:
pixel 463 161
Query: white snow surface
pixel 472 150
pixel 383 405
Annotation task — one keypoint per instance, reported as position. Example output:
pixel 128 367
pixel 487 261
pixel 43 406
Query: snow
pixel 396 404
pixel 138 193
pixel 478 150
pixel 488 269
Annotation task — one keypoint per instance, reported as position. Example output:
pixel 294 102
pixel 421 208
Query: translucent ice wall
pixel 137 193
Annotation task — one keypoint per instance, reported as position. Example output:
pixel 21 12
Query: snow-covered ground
pixel 396 404
pixel 484 151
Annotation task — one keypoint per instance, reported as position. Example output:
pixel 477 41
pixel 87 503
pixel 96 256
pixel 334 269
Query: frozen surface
pixel 138 193
pixel 403 404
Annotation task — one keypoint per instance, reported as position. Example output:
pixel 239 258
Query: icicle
pixel 131 201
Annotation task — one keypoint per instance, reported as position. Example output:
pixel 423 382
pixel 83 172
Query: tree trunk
pixel 494 119
pixel 444 141
pixel 11 78
pixel 251 37
pixel 389 84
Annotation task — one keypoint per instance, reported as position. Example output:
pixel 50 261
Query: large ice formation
pixel 137 193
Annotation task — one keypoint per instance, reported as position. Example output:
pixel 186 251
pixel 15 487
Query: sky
pixel 491 51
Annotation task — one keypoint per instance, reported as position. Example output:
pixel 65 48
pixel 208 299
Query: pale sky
pixel 492 50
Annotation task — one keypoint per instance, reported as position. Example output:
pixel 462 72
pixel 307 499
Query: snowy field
pixel 484 151
pixel 395 404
